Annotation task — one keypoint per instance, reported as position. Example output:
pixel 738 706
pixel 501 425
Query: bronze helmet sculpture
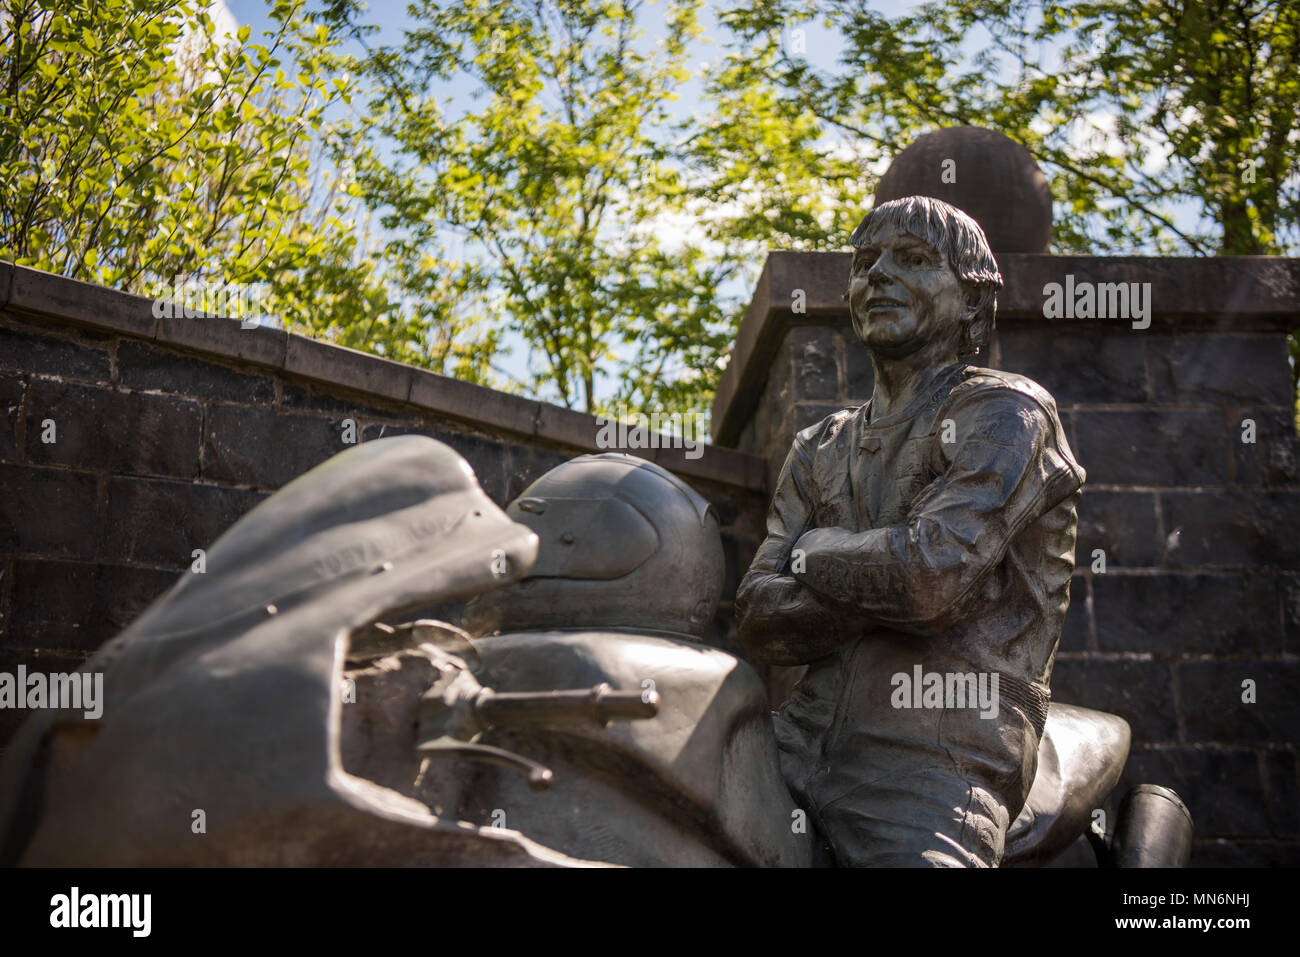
pixel 623 543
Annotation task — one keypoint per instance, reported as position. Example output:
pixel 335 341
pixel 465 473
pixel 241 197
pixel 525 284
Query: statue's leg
pixel 929 818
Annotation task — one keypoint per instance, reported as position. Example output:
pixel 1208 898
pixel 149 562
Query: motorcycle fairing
pixel 224 697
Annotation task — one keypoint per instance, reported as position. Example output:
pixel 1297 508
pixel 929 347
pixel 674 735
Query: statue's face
pixel 903 295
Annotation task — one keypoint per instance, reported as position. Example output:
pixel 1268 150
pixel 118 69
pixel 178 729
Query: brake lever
pixel 457 710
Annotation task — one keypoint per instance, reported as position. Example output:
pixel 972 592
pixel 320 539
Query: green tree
pixel 765 172
pixel 553 185
pixel 567 204
pixel 135 143
pixel 1137 111
pixel 142 149
pixel 1133 108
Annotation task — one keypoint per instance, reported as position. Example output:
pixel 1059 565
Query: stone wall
pixel 1200 530
pixel 167 431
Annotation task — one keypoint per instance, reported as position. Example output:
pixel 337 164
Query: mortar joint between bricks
pixel 1162 536
pixel 1089 610
pixel 101 515
pixel 1175 689
pixel 20 426
pixel 200 472
pixel 841 366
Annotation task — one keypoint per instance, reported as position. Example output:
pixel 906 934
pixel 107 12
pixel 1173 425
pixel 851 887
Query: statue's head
pixel 923 276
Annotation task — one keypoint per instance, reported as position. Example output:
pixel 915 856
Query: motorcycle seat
pixel 1080 758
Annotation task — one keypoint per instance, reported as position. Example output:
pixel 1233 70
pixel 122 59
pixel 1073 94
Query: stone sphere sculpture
pixel 986 175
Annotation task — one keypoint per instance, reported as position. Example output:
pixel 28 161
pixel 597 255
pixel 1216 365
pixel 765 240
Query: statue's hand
pixel 826 567
pixel 811 543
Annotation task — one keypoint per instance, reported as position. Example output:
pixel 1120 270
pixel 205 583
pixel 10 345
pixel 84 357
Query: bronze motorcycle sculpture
pixel 282 700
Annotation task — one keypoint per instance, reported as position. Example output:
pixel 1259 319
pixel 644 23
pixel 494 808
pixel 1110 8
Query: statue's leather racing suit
pixel 941 541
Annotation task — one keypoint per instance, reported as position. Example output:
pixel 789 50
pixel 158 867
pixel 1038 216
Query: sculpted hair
pixel 959 238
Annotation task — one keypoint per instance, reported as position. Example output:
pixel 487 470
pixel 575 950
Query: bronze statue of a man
pixel 918 560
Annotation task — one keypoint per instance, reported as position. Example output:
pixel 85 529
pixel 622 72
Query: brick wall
pixel 1200 530
pixel 167 431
